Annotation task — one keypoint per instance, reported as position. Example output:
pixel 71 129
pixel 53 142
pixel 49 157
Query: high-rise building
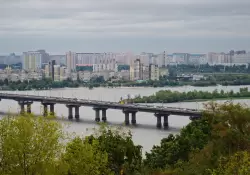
pixel 138 69
pixel 51 69
pixel 60 59
pixel 47 71
pixel 88 58
pixel 33 60
pixel 154 72
pixel 160 59
pixel 63 75
pixel 71 61
pixel 131 71
pixel 56 72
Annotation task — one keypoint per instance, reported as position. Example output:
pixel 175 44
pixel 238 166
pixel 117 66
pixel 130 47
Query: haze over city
pixel 197 26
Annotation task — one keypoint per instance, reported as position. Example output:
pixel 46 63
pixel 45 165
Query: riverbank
pixel 47 84
pixel 217 99
pixel 168 96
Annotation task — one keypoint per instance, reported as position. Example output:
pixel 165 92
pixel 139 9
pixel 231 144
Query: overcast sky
pixel 124 25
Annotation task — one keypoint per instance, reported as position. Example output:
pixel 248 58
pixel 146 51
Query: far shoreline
pixel 124 87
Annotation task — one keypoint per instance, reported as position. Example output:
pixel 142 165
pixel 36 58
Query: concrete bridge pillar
pixel 158 124
pixel 126 117
pixel 29 107
pixel 45 109
pixel 133 121
pixel 104 115
pixel 97 114
pixel 165 122
pixel 22 106
pixel 77 115
pixel 22 111
pixel 52 109
pixel 70 114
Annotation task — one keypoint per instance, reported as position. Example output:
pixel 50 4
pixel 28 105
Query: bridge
pixel 74 103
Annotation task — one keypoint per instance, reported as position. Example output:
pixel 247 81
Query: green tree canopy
pixel 29 145
pixel 123 154
pixel 84 158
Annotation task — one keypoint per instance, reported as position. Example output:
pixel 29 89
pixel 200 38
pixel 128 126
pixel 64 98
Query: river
pixel 144 134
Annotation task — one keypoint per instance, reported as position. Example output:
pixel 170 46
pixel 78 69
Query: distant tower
pixel 71 61
pixel 51 69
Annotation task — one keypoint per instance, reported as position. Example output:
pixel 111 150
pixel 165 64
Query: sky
pixel 195 26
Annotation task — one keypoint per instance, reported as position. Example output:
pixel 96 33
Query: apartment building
pixel 71 61
pixel 33 60
pixel 154 72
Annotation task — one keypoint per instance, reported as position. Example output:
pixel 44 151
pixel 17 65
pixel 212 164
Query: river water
pixel 144 134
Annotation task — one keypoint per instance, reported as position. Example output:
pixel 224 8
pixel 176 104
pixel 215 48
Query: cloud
pixel 123 18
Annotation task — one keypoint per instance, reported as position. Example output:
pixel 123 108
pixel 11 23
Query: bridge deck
pixel 103 104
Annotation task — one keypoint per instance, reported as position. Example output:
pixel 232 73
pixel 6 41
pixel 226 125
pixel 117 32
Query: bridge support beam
pixel 126 117
pixel 70 109
pixel 22 111
pixel 29 108
pixel 77 115
pixel 104 115
pixel 97 114
pixel 22 106
pixel 165 122
pixel 133 121
pixel 70 114
pixel 45 110
pixel 51 109
pixel 158 124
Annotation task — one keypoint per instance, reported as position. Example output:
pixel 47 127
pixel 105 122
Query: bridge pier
pixel 133 121
pixel 104 115
pixel 77 115
pixel 70 111
pixel 97 114
pixel 126 117
pixel 52 109
pixel 45 109
pixel 22 106
pixel 158 124
pixel 29 107
pixel 165 120
pixel 22 111
pixel 70 114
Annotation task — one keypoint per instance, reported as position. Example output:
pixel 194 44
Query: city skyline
pixel 190 26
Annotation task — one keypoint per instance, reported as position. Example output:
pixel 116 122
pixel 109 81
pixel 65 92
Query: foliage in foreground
pixel 203 147
pixel 84 158
pixel 34 145
pixel 218 144
pixel 29 145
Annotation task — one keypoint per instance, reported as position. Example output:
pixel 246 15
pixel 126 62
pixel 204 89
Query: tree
pixel 230 134
pixel 238 164
pixel 123 154
pixel 84 158
pixel 29 145
pixel 174 149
